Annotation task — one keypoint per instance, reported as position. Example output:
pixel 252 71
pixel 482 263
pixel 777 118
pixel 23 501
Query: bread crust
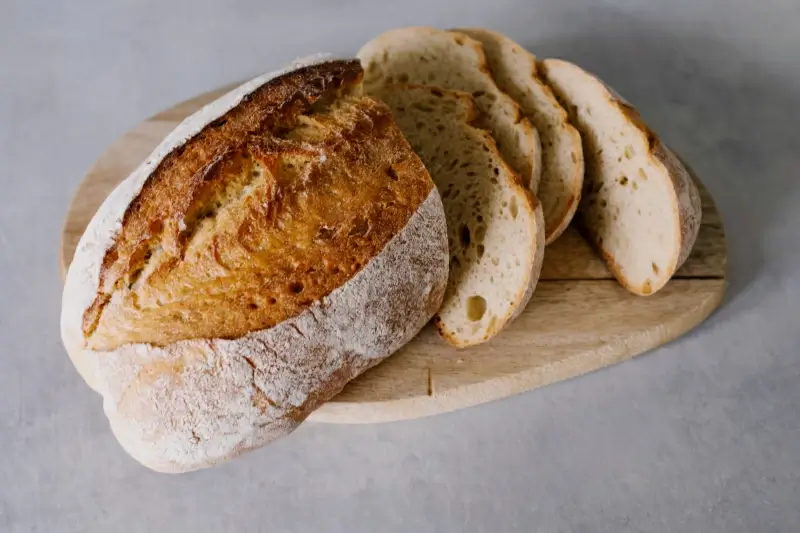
pixel 196 402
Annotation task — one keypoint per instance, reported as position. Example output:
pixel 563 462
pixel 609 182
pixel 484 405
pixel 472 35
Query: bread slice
pixel 495 225
pixel 430 56
pixel 278 243
pixel 515 71
pixel 640 208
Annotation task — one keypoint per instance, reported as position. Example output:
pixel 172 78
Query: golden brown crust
pixel 265 211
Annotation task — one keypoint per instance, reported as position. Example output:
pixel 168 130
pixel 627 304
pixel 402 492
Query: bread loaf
pixel 639 206
pixel 495 225
pixel 449 60
pixel 278 243
pixel 516 73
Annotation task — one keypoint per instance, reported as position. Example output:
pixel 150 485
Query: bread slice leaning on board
pixel 639 206
pixel 495 224
pixel 279 242
pixel 516 73
pixel 450 60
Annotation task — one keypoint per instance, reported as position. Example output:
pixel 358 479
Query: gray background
pixel 701 435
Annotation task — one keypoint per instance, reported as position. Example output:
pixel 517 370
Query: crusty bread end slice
pixel 431 56
pixel 515 71
pixel 639 206
pixel 495 225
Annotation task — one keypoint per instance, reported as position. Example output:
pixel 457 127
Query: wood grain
pixel 579 319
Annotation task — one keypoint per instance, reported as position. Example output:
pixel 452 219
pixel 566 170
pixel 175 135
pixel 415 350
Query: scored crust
pixel 191 403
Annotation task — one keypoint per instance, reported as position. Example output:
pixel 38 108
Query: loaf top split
pixel 247 221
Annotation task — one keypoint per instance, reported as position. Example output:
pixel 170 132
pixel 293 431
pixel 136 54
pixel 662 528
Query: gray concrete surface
pixel 702 435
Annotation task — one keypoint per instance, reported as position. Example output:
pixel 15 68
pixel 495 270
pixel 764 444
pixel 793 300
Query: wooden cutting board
pixel 579 318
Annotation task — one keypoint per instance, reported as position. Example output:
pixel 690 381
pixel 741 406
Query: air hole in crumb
pixel 476 307
pixel 390 171
pixel 655 268
pixel 647 288
pixel 623 180
pixel 635 186
pixel 642 174
pixel 481 249
pixel 463 235
pixel 629 152
pixel 296 287
pixel 480 233
pixel 252 305
pixel 402 78
pixel 156 227
pixel 478 94
pixel 512 207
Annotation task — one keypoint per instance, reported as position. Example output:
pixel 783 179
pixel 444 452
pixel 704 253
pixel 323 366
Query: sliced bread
pixel 515 71
pixel 639 206
pixel 430 56
pixel 494 224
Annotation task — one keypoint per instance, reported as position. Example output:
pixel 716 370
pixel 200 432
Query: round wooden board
pixel 579 318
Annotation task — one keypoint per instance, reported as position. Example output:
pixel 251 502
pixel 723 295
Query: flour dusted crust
pixel 193 403
pixel 196 403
